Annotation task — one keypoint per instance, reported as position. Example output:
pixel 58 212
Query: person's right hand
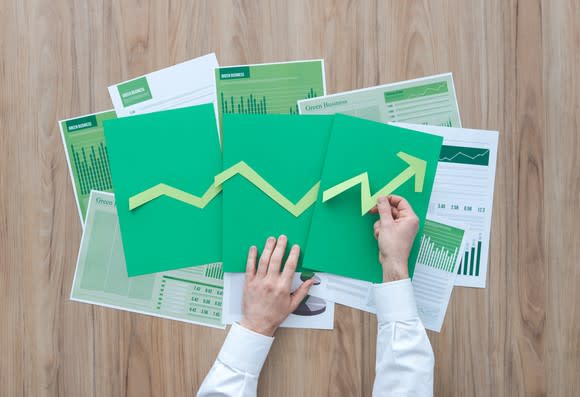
pixel 395 232
pixel 267 297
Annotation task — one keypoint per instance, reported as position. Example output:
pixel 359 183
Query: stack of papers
pixel 198 162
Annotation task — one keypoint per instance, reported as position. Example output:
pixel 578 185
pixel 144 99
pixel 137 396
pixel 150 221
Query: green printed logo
pixel 134 91
pixel 238 72
pixel 81 123
pixel 416 92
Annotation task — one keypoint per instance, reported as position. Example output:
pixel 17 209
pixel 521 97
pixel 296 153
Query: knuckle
pixel 415 221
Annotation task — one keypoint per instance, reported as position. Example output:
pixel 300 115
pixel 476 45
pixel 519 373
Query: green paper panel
pixel 341 241
pixel 179 148
pixel 288 152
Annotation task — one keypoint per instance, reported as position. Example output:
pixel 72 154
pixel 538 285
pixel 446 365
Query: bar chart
pixel 91 163
pixel 440 245
pixel 471 259
pixel 214 271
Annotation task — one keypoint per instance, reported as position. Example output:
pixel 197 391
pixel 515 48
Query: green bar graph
pixel 88 156
pixel 92 166
pixel 214 271
pixel 471 260
pixel 440 245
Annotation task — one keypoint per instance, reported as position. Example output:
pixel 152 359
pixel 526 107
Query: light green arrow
pixel 253 177
pixel 416 168
pixel 165 190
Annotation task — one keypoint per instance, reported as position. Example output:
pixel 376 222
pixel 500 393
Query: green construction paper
pixel 180 149
pixel 341 240
pixel 287 153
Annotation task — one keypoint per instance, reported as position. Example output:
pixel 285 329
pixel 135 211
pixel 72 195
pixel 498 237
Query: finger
pixel 395 212
pixel 291 263
pixel 402 206
pixel 300 294
pixel 278 255
pixel 374 210
pixel 376 229
pixel 384 210
pixel 265 258
pixel 251 263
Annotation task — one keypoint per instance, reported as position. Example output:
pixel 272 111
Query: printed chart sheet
pixel 428 100
pixel 193 295
pixel 463 192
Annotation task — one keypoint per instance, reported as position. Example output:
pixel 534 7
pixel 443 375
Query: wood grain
pixel 516 66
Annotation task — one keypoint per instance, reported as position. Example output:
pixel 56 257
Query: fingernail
pixel 382 199
pixel 282 237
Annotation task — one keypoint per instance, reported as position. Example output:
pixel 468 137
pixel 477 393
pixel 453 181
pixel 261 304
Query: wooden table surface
pixel 516 66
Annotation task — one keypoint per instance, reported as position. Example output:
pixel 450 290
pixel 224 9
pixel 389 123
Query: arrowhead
pixel 417 167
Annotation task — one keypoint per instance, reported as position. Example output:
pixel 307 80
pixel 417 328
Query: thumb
pixel 300 294
pixel 384 208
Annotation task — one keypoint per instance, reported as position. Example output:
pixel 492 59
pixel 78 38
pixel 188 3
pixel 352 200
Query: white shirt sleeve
pixel 238 365
pixel 404 364
pixel 405 360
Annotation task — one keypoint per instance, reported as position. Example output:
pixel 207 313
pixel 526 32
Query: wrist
pixel 263 329
pixel 394 272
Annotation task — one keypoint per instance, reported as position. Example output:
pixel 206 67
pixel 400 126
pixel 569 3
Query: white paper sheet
pixel 463 192
pixel 427 100
pixel 185 84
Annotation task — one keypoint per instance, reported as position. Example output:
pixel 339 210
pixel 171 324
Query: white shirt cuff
pixel 395 301
pixel 245 350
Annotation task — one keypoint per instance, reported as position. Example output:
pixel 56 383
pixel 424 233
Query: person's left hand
pixel 267 298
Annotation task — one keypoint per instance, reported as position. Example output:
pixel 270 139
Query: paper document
pixel 428 100
pixel 463 192
pixel 436 270
pixel 346 291
pixel 313 312
pixel 193 295
pixel 185 84
pixel 268 88
pixel 87 156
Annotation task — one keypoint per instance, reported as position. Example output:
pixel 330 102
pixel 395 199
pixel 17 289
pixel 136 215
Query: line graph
pixel 252 176
pixel 162 189
pixel 464 155
pixel 416 168
pixel 421 91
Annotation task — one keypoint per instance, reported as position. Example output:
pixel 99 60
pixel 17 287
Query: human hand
pixel 267 299
pixel 395 232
